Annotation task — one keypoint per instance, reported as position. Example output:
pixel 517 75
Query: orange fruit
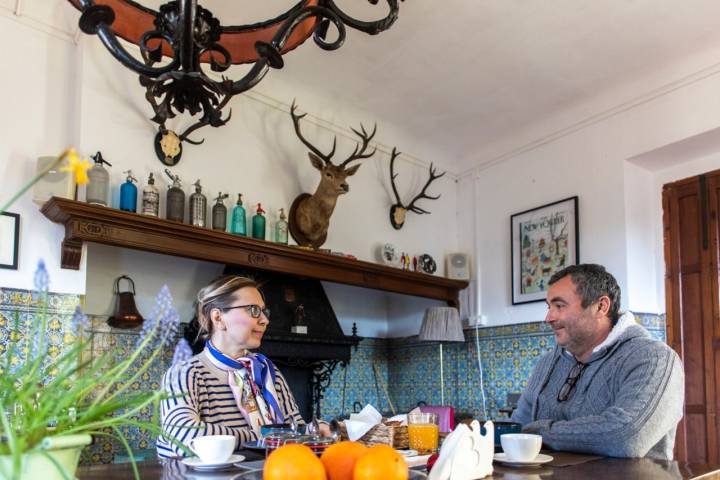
pixel 339 459
pixel 293 462
pixel 381 461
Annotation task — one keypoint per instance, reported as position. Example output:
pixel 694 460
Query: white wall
pixel 619 203
pixel 256 153
pixel 40 117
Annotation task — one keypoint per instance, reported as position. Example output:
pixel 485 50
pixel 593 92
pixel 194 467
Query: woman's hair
pixel 218 294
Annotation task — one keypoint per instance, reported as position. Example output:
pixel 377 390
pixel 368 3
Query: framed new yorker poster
pixel 9 239
pixel 544 241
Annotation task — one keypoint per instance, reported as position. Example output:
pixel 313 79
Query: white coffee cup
pixel 213 448
pixel 521 447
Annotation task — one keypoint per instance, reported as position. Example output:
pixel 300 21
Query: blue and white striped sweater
pixel 203 404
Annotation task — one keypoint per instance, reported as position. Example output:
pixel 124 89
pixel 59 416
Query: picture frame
pixel 544 240
pixel 9 240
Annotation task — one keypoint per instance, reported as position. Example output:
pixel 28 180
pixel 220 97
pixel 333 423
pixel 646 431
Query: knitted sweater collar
pixel 622 330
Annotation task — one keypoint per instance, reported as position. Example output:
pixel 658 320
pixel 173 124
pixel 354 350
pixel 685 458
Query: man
pixel 608 388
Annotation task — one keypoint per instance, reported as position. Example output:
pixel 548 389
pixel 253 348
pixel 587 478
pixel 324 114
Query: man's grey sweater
pixel 626 403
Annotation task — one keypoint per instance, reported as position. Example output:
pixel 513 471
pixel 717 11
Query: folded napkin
pixel 360 423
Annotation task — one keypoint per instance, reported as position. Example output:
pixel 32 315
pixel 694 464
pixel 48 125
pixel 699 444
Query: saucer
pixel 197 464
pixel 539 460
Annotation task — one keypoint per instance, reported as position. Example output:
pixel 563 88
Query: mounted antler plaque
pixel 399 210
pixel 309 216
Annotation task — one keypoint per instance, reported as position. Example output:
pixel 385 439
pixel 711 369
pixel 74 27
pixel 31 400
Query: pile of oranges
pixel 341 461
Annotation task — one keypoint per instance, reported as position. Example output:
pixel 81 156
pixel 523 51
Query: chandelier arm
pixel 283 34
pixel 369 27
pixel 111 42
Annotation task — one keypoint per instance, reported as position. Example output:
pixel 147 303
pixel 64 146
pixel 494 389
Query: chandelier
pixel 188 35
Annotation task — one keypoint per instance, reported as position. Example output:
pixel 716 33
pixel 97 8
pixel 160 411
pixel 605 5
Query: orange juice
pixel 423 437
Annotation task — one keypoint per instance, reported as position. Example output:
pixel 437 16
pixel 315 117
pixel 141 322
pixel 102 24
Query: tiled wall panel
pixel 403 369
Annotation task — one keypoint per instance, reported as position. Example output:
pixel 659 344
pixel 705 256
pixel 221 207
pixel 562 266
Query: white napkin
pixel 360 423
pixel 403 417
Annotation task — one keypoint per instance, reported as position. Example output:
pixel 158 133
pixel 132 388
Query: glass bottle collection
pixel 99 188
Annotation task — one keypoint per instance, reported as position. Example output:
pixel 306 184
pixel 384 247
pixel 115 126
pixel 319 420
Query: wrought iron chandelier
pixel 188 35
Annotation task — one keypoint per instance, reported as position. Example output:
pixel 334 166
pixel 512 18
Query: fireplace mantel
pixel 94 223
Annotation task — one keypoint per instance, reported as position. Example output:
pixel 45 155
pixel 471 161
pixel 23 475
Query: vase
pixel 55 453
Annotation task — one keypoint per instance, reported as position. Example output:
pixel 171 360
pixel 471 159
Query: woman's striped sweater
pixel 203 404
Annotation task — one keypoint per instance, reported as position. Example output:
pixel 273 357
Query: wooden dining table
pixel 573 467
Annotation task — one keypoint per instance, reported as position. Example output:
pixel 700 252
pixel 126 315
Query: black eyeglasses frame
pixel 253 309
pixel 570 382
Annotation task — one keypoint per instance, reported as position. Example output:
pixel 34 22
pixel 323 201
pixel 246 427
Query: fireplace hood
pixel 303 327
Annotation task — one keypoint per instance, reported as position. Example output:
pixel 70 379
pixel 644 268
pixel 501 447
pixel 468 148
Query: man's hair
pixel 591 282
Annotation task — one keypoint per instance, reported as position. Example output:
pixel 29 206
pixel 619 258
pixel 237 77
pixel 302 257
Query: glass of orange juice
pixel 423 432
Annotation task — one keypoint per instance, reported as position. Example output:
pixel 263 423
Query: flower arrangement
pixel 45 401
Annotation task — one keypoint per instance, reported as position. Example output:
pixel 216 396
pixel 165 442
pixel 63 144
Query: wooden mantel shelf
pixel 94 223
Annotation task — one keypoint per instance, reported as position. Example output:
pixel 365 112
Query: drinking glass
pixel 423 432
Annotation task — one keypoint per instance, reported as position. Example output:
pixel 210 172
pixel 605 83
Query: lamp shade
pixel 441 324
pixel 132 20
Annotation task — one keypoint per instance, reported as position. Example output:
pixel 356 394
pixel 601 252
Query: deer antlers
pixel 399 210
pixel 359 153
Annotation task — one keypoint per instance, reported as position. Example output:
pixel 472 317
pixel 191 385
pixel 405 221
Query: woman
pixel 225 389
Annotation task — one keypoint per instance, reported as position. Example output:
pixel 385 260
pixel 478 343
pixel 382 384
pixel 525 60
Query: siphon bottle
pixel 219 212
pixel 128 193
pixel 99 185
pixel 175 199
pixel 281 228
pixel 150 198
pixel 198 207
pixel 258 223
pixel 238 222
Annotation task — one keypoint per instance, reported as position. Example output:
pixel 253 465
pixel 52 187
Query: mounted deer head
pixel 399 210
pixel 309 216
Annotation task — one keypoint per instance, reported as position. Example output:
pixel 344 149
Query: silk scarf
pixel 252 381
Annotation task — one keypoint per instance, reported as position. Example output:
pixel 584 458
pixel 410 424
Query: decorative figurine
pixel 128 193
pixel 198 207
pixel 414 264
pixel 281 228
pixel 238 223
pixel 151 198
pixel 399 210
pixel 309 216
pixel 175 199
pixel 219 212
pixel 258 224
pixel 99 185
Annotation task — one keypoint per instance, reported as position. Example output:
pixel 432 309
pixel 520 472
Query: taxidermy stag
pixel 399 210
pixel 309 216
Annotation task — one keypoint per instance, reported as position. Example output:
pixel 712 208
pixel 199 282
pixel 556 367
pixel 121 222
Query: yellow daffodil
pixel 76 166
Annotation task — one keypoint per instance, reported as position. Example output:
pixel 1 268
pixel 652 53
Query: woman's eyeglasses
pixel 570 381
pixel 254 310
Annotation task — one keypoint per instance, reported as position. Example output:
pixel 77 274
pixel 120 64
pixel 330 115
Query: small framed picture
pixel 544 241
pixel 9 240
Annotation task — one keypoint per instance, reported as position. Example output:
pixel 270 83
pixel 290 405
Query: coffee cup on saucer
pixel 521 447
pixel 213 449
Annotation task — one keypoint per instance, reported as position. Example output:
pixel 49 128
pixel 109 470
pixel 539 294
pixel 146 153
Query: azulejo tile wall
pixel 381 371
pixel 22 307
pixel 410 370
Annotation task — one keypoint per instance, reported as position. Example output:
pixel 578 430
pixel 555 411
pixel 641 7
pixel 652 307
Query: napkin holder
pixel 466 454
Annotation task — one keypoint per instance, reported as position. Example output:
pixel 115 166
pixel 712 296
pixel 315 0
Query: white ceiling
pixel 462 74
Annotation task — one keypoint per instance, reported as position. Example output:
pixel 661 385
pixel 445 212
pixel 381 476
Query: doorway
pixel 690 238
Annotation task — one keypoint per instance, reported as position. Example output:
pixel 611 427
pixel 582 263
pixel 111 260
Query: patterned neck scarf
pixel 252 381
